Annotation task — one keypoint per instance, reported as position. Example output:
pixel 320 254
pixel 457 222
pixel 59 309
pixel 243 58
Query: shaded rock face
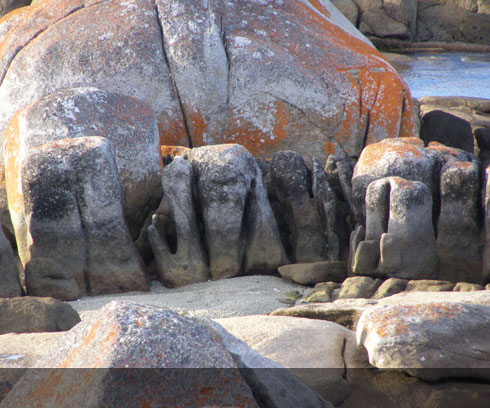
pixel 311 206
pixel 9 279
pixel 66 208
pixel 235 76
pixel 31 315
pixel 6 6
pixel 433 202
pixel 216 215
pixel 442 127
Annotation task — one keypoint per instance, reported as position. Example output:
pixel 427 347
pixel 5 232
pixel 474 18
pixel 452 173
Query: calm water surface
pixel 447 74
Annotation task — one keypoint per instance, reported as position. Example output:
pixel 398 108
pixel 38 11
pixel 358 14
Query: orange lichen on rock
pixel 409 147
pixel 396 320
pixel 258 142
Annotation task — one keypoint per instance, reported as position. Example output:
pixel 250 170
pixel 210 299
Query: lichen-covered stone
pixel 399 240
pixel 405 157
pixel 94 364
pixel 429 338
pixel 236 75
pixel 129 125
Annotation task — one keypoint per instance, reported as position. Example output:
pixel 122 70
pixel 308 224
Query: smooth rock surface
pixel 428 336
pixel 312 273
pixel 323 351
pixel 273 385
pixel 358 287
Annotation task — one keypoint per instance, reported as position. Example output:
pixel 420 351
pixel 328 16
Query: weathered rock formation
pixel 65 200
pixel 214 212
pixel 242 78
pixel 414 221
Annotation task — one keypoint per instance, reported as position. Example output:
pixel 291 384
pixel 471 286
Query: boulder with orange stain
pixel 130 355
pixel 428 339
pixel 452 178
pixel 266 74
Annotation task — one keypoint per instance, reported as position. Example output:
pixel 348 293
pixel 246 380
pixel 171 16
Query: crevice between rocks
pixel 167 62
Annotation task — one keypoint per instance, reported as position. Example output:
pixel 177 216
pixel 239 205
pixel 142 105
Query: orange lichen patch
pixel 172 132
pixel 174 151
pixel 320 7
pixel 88 339
pixel 329 148
pixel 402 183
pixel 393 322
pixel 408 128
pixel 259 143
pixel 198 128
pixel 386 113
pixel 373 153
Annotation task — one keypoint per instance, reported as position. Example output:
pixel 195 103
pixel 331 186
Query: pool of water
pixel 446 74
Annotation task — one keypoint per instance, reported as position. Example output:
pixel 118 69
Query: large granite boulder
pixel 31 314
pixel 324 352
pixel 65 200
pixel 129 125
pixel 258 73
pixel 133 355
pixel 429 339
pixel 405 157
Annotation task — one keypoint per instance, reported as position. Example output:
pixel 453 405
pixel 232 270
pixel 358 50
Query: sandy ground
pixel 247 295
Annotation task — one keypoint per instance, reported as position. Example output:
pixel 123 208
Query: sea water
pixel 446 74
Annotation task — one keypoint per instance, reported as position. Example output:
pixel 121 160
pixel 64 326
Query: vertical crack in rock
pixel 228 64
pixel 172 78
pixel 342 354
pixel 84 235
pixel 6 65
